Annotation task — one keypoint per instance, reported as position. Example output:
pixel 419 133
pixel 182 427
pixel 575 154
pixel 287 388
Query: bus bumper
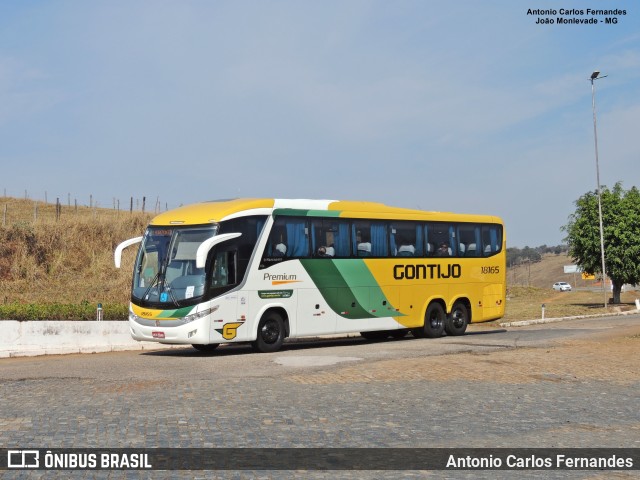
pixel 196 332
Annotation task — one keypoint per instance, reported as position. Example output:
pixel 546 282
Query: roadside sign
pixel 572 269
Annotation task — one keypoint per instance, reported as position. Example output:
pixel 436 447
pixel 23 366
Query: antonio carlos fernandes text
pixel 534 462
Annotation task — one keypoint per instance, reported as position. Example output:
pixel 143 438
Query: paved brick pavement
pixel 329 393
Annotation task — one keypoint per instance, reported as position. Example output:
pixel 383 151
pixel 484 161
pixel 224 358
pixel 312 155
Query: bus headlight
pixel 197 315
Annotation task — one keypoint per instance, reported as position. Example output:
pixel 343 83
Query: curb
pixel 58 337
pixel 47 337
pixel 34 351
pixel 64 337
pixel 524 323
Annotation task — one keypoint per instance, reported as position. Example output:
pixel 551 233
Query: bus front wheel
pixel 458 320
pixel 270 333
pixel 434 322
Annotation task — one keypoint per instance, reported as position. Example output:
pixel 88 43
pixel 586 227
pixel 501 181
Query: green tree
pixel 621 231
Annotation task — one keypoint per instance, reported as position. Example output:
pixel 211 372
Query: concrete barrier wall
pixel 50 337
pixel 54 337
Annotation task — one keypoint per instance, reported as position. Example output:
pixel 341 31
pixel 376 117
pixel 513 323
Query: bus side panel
pixel 492 302
pixel 365 309
pixel 386 302
pixel 314 315
pixel 224 325
pixel 414 300
pixel 258 307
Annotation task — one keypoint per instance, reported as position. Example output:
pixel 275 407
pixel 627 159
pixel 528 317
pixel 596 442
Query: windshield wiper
pixel 173 297
pixel 153 283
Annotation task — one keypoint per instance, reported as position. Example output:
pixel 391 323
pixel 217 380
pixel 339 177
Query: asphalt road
pixel 323 393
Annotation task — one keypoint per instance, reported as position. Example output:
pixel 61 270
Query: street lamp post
pixel 595 76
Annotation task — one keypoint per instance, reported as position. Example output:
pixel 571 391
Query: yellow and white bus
pixel 262 270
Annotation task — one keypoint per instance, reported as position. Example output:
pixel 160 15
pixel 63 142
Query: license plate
pixel 157 334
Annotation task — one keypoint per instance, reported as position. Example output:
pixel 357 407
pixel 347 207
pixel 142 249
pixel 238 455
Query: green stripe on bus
pixel 323 213
pixel 179 313
pixel 348 287
pixel 296 212
pixel 357 274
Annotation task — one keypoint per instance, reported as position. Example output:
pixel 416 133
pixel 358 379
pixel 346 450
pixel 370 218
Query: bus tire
pixel 434 320
pixel 270 333
pixel 457 320
pixel 206 348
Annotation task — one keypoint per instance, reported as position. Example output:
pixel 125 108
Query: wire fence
pixel 24 210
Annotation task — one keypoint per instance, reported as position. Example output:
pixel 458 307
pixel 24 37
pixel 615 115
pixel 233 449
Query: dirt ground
pixel 611 357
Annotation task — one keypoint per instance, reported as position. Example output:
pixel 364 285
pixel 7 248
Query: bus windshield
pixel 165 271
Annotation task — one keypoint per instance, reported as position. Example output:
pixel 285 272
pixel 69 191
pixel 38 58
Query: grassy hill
pixel 530 285
pixel 64 258
pixel 58 264
pixel 545 273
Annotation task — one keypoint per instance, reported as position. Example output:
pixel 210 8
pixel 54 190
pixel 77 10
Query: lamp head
pixel 594 75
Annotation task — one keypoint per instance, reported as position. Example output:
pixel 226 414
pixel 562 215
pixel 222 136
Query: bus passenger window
pixel 491 239
pixel 440 234
pixel 406 239
pixel 469 236
pixel 362 239
pixel 371 239
pixel 405 247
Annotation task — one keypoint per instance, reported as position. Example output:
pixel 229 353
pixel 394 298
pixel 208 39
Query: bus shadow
pixel 245 348
pixel 231 349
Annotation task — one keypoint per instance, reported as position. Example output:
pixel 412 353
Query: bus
pixel 262 270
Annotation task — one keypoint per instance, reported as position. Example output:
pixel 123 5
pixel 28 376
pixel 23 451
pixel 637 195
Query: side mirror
pixel 207 245
pixel 117 255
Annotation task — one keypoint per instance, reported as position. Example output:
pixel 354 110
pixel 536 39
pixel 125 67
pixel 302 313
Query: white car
pixel 562 286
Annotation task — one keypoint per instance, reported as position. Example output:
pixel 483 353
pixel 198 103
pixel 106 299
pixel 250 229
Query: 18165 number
pixel 490 270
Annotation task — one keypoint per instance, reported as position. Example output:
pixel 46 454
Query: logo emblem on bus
pixel 230 330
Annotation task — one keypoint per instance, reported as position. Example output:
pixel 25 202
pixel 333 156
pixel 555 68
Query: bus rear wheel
pixel 457 320
pixel 206 348
pixel 434 322
pixel 270 333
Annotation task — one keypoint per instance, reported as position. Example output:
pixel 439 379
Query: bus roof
pixel 219 210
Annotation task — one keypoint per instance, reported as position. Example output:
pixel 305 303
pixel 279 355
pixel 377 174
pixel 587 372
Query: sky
pixel 464 106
